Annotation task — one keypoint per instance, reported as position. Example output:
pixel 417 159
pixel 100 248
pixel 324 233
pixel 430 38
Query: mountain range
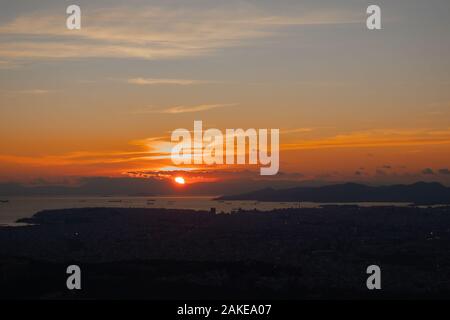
pixel 419 193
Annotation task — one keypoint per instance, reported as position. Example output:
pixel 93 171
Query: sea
pixel 14 208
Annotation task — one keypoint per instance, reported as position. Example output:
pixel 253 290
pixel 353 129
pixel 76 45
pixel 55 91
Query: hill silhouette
pixel 419 193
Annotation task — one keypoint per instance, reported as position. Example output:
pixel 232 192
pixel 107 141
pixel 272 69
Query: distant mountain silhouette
pixel 420 193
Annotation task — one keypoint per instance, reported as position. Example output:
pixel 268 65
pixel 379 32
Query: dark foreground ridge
pixel 185 254
pixel 418 193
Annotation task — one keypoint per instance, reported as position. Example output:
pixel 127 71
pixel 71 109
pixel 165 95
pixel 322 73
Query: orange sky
pixel 351 104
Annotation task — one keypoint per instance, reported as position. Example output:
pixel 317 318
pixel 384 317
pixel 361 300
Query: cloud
pixel 444 171
pixel 34 91
pixel 375 138
pixel 188 109
pixel 151 32
pixel 6 64
pixel 155 81
pixel 427 171
pixel 296 130
pixel 213 174
pixel 78 157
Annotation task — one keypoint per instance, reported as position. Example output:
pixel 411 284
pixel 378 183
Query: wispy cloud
pixel 187 109
pixel 79 158
pixel 149 32
pixel 159 81
pixel 34 91
pixel 7 64
pixel 296 130
pixel 375 138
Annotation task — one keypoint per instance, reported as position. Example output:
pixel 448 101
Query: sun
pixel 180 180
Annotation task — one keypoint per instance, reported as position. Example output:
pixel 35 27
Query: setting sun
pixel 179 180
